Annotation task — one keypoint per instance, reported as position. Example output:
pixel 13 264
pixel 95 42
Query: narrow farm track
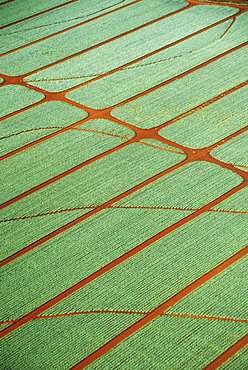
pixel 124 184
pixel 75 209
pixel 128 313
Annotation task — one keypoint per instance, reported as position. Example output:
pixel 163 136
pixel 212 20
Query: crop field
pixel 124 198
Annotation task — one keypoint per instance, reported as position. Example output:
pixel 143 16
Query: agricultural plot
pixel 124 184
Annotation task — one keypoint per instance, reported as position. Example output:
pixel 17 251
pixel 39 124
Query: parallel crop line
pixel 67 29
pixel 100 76
pixel 37 14
pixel 230 352
pixel 106 41
pixel 36 312
pixel 198 155
pixel 101 113
pixel 159 310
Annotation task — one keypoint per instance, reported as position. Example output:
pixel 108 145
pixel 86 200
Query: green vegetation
pixel 212 123
pixel 234 151
pixel 172 343
pixel 44 119
pixel 224 296
pixel 15 97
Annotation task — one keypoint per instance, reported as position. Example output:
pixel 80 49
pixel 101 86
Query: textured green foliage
pixel 65 44
pixel 172 343
pixel 223 296
pixel 211 123
pixel 153 70
pixel 162 269
pixel 225 2
pixel 178 97
pixel 61 342
pixel 234 151
pixel 25 8
pixel 48 23
pixel 52 157
pixel 157 228
pixel 14 97
pixel 75 254
pixel 89 65
pixel 44 119
pixel 18 234
pixel 107 127
pixel 191 187
pixel 237 362
pixel 237 202
pixel 98 182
